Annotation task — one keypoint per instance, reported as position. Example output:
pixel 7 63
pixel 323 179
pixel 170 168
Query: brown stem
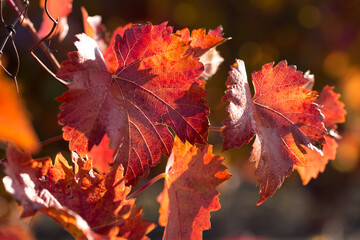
pixel 215 129
pixel 50 140
pixel 41 144
pixel 149 183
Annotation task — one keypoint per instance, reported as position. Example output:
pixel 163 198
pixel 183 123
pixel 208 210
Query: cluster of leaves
pixel 140 95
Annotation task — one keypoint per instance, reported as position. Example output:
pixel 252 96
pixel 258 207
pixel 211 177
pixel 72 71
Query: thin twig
pixel 41 144
pixel 50 140
pixel 215 129
pixel 11 32
pixel 17 5
pixel 149 183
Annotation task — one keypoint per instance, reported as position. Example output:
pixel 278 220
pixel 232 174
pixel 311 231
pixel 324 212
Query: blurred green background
pixel 322 36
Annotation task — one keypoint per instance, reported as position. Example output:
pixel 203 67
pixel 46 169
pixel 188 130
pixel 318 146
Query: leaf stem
pixel 149 183
pixel 41 144
pixel 51 140
pixel 215 129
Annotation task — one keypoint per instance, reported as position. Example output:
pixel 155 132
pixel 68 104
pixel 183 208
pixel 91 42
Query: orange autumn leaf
pixel 204 45
pixel 200 42
pixel 101 155
pixel 189 194
pixel 132 228
pixel 317 162
pixel 282 115
pixel 15 125
pixel 331 107
pixel 333 111
pixel 66 194
pixel 155 86
pixel 57 9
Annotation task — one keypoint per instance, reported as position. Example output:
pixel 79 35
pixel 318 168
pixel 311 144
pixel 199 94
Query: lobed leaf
pixel 283 116
pixel 78 199
pixel 189 193
pixel 154 87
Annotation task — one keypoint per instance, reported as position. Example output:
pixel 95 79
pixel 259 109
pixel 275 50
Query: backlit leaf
pixel 94 28
pixel 204 46
pixel 15 125
pixel 283 116
pixel 333 111
pixel 102 155
pixel 133 228
pixel 189 194
pixel 79 199
pixel 57 9
pixel 154 87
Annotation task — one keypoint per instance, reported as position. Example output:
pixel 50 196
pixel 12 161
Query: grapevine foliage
pixel 140 95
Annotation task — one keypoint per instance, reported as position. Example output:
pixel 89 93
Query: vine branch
pixel 26 23
pixel 148 184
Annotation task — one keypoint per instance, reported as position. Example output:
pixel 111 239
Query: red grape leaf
pixel 200 42
pixel 132 228
pixel 102 155
pixel 15 125
pixel 57 9
pixel 94 28
pixel 331 107
pixel 80 196
pixel 283 116
pixel 189 194
pixel 203 45
pixel 315 162
pixel 109 53
pixel 154 87
pixel 333 111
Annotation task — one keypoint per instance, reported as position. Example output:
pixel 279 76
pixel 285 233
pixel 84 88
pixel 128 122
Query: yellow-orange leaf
pixel 14 121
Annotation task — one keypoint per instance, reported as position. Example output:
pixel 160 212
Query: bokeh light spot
pixel 251 52
pixel 185 14
pixel 268 6
pixel 351 86
pixel 309 16
pixel 347 154
pixel 336 64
